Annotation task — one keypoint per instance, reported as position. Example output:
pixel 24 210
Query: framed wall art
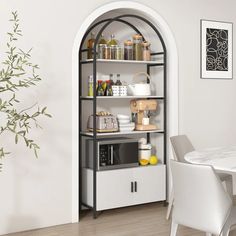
pixel 216 50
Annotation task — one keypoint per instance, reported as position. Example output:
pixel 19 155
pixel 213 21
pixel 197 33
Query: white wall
pixel 37 193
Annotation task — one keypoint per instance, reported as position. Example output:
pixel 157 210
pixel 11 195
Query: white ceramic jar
pixel 145 151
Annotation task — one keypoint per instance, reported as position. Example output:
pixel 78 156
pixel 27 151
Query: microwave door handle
pixel 111 155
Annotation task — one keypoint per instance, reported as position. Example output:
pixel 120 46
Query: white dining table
pixel 222 159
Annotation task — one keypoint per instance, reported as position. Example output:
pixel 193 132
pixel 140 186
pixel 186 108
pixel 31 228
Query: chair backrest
pixel 181 145
pixel 200 199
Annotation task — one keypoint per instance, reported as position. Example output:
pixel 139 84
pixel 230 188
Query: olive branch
pixel 17 73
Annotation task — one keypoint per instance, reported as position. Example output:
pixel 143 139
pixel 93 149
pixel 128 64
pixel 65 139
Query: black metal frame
pixel 106 23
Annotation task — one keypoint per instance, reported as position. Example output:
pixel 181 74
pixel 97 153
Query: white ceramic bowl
pixel 124 121
pixel 123 117
pixel 129 125
pixel 125 129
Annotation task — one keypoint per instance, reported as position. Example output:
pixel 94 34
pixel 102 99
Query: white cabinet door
pixel 114 188
pixel 151 184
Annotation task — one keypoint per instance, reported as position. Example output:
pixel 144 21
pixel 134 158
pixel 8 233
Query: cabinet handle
pixel 132 187
pixel 112 160
pixel 135 187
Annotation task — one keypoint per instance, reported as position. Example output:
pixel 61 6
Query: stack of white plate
pixel 124 123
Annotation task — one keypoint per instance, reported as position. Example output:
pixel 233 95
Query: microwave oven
pixel 113 153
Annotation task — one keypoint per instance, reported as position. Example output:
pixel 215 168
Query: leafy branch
pixel 18 72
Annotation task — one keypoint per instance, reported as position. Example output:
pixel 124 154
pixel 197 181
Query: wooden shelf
pixel 120 97
pixel 90 134
pixel 124 61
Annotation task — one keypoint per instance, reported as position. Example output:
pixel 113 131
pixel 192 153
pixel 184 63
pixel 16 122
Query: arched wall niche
pixel 107 11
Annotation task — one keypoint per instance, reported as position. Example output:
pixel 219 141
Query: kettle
pixel 140 89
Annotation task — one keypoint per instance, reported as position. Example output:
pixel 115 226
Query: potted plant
pixel 17 73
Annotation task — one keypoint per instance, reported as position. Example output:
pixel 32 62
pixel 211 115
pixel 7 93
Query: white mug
pixel 145 121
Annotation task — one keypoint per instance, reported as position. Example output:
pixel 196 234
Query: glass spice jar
pixel 146 51
pixel 106 51
pixel 113 52
pixel 137 47
pixel 118 53
pixel 128 50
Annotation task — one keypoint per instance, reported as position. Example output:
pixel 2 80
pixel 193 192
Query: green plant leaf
pixel 16 138
pixel 48 115
pixel 18 73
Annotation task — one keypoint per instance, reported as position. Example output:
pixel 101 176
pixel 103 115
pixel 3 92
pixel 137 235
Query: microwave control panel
pixel 104 155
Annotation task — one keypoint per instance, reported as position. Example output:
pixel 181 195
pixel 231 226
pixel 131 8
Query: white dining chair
pixel 201 202
pixel 181 145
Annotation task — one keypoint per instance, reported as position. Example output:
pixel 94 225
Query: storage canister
pixel 145 151
pixel 128 50
pixel 137 47
pixel 113 52
pixel 146 51
pixel 106 52
pixel 118 53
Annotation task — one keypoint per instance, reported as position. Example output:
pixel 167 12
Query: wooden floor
pixel 144 220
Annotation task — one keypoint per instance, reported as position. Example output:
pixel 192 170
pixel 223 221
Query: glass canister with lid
pixel 128 50
pixel 106 50
pixel 146 51
pixel 137 47
pixel 118 53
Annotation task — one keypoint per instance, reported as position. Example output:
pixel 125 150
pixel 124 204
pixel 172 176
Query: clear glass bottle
pixel 111 80
pixel 90 44
pixel 101 45
pixel 102 40
pixel 90 85
pixel 146 51
pixel 112 43
pixel 137 47
pixel 118 82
